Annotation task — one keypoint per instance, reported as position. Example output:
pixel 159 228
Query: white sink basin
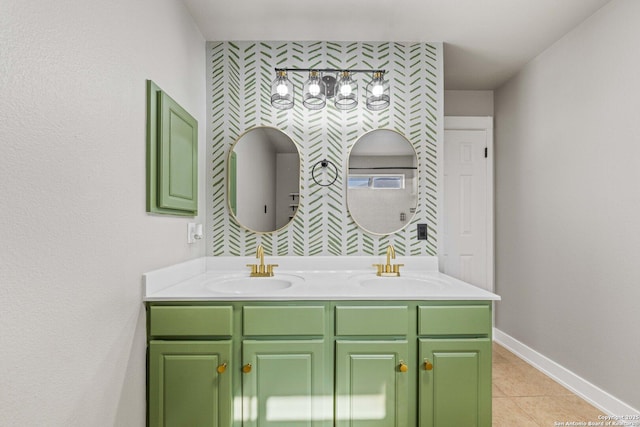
pixel 399 283
pixel 251 285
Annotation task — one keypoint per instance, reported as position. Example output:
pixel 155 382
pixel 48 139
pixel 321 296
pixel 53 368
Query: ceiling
pixel 485 41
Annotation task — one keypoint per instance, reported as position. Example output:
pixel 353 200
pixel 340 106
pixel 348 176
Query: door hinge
pixel 486 152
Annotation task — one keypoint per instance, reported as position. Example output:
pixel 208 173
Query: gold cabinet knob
pixel 403 367
pixel 246 368
pixel 221 368
pixel 427 365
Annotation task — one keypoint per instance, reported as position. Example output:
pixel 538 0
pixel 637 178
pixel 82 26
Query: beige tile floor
pixel 523 396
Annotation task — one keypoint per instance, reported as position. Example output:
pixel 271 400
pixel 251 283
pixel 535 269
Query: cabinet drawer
pixel 190 321
pixel 367 320
pixel 455 320
pixel 283 320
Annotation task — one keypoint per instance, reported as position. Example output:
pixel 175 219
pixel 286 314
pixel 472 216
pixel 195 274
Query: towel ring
pixel 324 164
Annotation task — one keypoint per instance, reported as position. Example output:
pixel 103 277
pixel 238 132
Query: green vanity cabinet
pixel 319 363
pixel 372 365
pixel 190 369
pixel 371 388
pixel 189 384
pixel 454 384
pixel 284 372
pixel 282 383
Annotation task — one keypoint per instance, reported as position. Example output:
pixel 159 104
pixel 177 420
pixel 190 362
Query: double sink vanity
pixel 317 341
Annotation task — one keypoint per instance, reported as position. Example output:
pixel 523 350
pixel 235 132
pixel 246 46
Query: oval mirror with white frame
pixel 382 182
pixel 263 182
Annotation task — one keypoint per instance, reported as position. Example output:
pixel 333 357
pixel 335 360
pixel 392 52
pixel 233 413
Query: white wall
pixel 568 202
pixel 468 103
pixel 74 234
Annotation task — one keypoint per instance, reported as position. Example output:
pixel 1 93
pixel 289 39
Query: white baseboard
pixel 599 398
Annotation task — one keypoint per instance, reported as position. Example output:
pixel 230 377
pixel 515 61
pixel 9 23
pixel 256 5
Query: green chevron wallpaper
pixel 239 78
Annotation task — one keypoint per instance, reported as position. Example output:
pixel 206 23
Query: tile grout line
pixel 530 414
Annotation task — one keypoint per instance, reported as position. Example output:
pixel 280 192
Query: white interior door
pixel 468 204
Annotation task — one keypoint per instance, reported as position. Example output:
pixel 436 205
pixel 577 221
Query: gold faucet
pixel 388 269
pixel 261 270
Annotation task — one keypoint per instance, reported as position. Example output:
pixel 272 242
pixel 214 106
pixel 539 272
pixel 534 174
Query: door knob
pixel 222 368
pixel 403 367
pixel 427 365
pixel 246 368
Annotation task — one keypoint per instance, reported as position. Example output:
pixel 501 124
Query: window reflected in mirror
pixel 382 182
pixel 395 182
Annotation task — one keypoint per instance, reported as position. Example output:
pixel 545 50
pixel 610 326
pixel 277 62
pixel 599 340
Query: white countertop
pixel 306 278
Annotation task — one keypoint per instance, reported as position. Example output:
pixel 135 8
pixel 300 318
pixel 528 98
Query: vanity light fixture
pixel 282 91
pixel 346 92
pixel 378 92
pixel 330 83
pixel 314 92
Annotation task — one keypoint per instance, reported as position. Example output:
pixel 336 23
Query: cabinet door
pixel 178 156
pixel 185 385
pixel 371 388
pixel 172 156
pixel 455 388
pixel 283 384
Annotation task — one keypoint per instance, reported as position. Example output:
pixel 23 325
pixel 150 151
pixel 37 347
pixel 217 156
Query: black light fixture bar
pixel 330 70
pixel 386 168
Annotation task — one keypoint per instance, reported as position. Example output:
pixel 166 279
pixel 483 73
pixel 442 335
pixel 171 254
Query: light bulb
pixel 345 90
pixel 314 89
pixel 282 89
pixel 377 90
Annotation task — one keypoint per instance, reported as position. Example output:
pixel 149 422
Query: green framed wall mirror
pixel 382 182
pixel 263 182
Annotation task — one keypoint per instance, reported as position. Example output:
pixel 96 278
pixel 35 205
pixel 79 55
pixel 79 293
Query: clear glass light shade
pixel 346 96
pixel 314 92
pixel 378 97
pixel 282 92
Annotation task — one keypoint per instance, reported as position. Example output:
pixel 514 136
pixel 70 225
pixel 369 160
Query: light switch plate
pixel 422 231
